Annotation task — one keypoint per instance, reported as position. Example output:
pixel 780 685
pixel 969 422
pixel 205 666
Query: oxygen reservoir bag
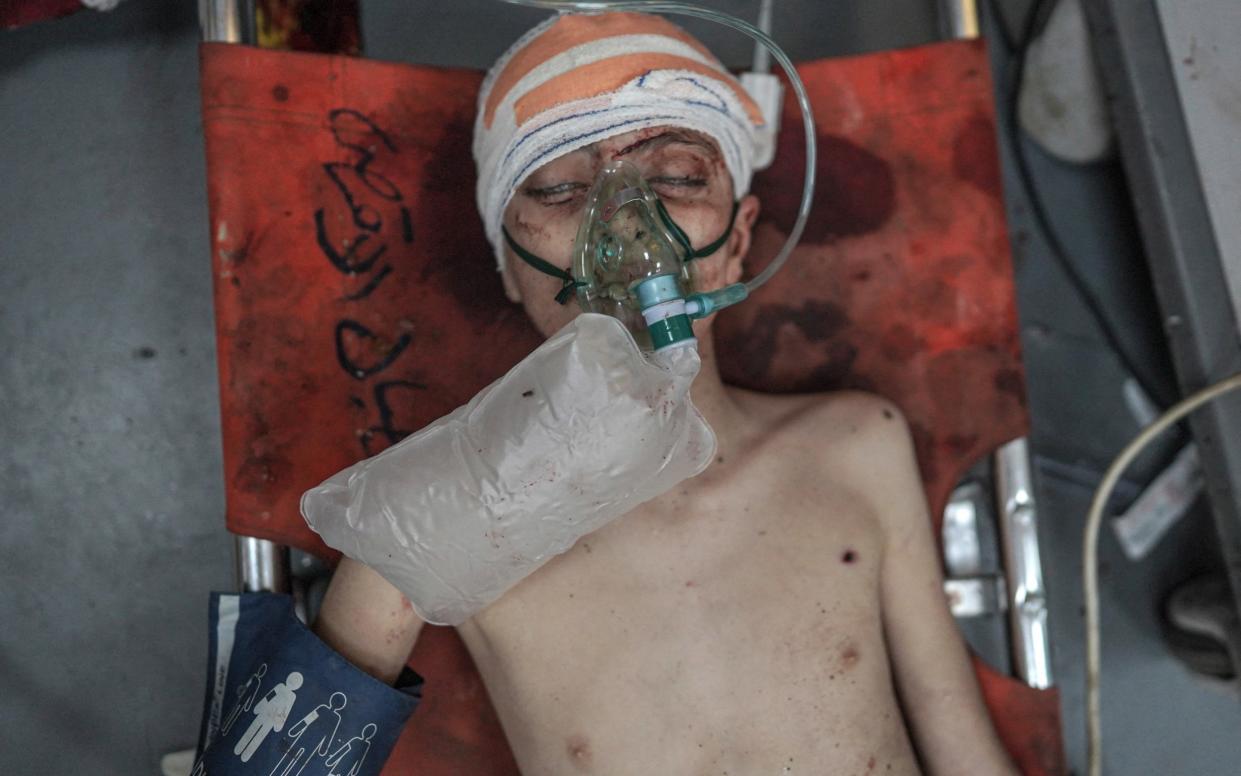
pixel 580 432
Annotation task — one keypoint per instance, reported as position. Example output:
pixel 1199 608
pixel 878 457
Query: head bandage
pixel 577 79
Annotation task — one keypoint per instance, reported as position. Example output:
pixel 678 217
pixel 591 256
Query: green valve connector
pixel 673 330
pixel 668 315
pixel 663 307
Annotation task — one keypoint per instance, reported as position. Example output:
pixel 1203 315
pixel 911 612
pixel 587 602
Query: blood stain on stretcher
pixel 855 193
pixel 981 170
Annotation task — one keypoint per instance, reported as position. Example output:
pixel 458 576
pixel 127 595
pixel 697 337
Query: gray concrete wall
pixel 110 483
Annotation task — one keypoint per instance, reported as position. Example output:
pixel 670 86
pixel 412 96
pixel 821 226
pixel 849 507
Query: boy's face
pixel 686 170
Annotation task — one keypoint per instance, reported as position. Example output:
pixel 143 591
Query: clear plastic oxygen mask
pixel 641 292
pixel 631 261
pixel 628 259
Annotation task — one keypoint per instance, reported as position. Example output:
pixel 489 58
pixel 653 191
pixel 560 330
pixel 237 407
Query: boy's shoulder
pixel 851 439
pixel 826 418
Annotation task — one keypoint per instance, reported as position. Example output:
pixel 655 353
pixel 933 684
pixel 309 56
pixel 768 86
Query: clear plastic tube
pixel 762 57
pixel 799 89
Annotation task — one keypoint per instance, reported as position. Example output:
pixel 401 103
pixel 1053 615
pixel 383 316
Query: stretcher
pixel 356 301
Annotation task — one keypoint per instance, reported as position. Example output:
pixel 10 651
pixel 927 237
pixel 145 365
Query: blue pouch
pixel 280 702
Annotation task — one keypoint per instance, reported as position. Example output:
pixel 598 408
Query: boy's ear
pixel 506 275
pixel 739 241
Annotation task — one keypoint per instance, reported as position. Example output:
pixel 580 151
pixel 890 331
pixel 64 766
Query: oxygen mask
pixel 632 261
pixel 628 260
pixel 639 296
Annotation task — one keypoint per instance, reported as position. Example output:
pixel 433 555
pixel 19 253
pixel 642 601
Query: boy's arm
pixel 367 621
pixel 939 693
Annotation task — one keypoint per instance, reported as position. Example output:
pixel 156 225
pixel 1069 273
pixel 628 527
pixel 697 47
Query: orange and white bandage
pixel 577 79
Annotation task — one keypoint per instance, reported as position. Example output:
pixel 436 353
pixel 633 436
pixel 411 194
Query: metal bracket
pixel 1027 597
pixel 976 596
pixel 262 566
pixel 961 533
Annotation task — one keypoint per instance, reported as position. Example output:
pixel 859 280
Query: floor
pixel 110 476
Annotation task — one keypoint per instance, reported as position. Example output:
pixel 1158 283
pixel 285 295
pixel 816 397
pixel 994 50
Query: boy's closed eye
pixel 677 182
pixel 557 193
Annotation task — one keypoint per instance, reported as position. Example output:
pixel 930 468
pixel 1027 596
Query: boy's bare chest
pixel 762 595
pixel 763 537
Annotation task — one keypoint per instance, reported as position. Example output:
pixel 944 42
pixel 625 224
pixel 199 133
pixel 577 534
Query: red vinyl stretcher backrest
pixel 357 300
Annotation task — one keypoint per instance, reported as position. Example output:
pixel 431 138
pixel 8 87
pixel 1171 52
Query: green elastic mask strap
pixel 683 239
pixel 546 267
pixel 571 284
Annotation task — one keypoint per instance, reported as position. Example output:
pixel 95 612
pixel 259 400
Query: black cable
pixel 1035 17
pixel 1001 27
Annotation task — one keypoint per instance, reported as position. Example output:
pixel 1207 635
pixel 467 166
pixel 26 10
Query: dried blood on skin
pixel 638 138
pixel 528 231
pixel 849 657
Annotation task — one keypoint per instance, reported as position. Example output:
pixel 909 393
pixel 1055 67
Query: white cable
pixel 762 57
pixel 1090 553
pixel 766 90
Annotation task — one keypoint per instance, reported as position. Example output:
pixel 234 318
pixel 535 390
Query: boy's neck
pixel 716 401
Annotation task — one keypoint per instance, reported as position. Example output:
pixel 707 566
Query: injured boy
pixel 780 612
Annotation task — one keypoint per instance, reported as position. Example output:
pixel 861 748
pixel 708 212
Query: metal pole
pixel 227 21
pixel 959 19
pixel 262 566
pixel 1027 597
pixel 1014 488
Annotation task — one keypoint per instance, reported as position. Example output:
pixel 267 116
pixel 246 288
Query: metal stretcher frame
pixel 1022 588
pixel 860 212
pixel 261 565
